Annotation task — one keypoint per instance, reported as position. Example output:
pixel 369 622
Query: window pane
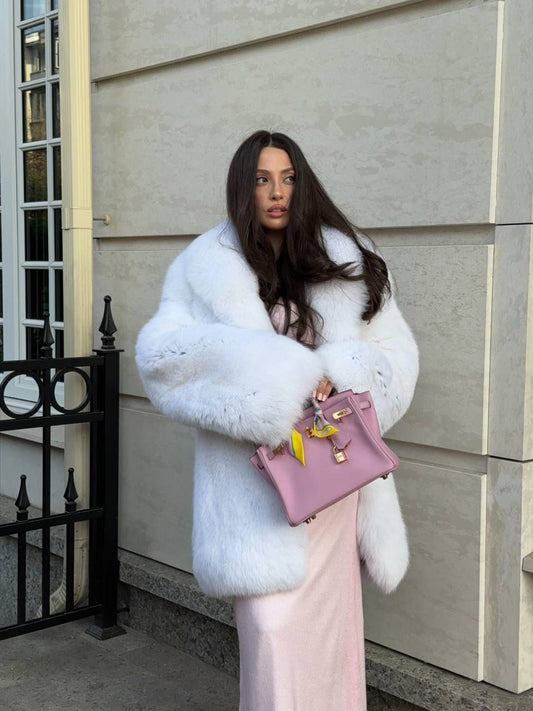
pixel 31 8
pixel 59 294
pixel 36 235
pixel 57 173
pixel 35 175
pixel 60 344
pixel 53 6
pixel 36 292
pixel 33 54
pixel 34 114
pixel 54 48
pixel 34 341
pixel 56 119
pixel 58 236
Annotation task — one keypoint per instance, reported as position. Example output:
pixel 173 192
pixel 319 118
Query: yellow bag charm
pixel 296 446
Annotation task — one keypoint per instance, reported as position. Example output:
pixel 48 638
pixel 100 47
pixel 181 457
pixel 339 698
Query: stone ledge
pixel 388 671
pixel 173 585
pixel 433 688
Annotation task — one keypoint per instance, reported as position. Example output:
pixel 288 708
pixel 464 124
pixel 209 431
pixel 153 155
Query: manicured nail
pixel 321 397
pixel 314 393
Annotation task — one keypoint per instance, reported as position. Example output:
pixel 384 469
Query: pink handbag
pixel 335 465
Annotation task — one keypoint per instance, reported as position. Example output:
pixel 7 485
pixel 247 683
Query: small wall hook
pixel 106 219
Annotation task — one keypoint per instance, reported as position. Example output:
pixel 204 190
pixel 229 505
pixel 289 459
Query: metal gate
pixel 99 408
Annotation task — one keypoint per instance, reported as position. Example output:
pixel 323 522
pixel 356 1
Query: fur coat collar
pixel 210 358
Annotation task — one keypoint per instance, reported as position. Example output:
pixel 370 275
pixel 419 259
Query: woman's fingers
pixel 323 389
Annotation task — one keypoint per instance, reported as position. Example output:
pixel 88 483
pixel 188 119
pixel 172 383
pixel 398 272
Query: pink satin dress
pixel 304 649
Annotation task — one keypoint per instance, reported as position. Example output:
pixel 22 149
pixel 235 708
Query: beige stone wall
pixel 414 114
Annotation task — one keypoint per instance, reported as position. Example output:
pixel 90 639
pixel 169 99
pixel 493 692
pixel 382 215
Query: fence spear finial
pixel 22 503
pixel 107 327
pixel 48 339
pixel 70 494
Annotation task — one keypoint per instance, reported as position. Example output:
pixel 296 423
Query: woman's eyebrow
pixel 263 170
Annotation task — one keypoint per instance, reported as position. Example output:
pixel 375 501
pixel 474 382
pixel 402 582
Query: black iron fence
pixel 99 408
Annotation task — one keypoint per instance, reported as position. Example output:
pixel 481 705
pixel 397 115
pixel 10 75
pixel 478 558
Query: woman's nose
pixel 277 192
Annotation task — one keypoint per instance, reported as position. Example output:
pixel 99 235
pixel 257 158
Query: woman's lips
pixel 277 211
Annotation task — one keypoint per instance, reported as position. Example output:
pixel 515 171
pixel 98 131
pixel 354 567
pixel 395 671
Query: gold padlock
pixel 340 456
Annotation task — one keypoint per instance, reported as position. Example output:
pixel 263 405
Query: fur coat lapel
pixel 218 273
pixel 226 281
pixel 211 358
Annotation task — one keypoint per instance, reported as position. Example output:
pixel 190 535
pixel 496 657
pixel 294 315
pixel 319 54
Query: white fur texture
pixel 211 358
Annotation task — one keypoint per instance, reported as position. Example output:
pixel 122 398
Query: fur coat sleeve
pixel 211 359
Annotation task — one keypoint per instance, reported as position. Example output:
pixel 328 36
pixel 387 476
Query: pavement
pixel 64 668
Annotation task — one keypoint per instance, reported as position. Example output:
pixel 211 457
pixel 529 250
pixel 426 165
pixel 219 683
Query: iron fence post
pixel 105 624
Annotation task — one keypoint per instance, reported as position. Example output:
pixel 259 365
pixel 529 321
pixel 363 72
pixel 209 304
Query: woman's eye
pixel 291 178
pixel 260 180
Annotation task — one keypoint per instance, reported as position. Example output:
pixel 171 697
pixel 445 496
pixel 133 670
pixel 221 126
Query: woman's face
pixel 274 183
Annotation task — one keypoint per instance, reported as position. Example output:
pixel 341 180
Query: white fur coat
pixel 211 358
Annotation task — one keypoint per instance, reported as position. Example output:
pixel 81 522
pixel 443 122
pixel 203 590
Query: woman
pixel 284 299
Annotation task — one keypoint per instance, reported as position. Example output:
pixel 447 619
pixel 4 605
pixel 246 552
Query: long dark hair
pixel 303 258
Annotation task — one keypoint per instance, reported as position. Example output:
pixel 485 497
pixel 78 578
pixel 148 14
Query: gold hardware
pixel 309 432
pixel 385 476
pixel 308 520
pixel 340 456
pixel 279 449
pixel 341 413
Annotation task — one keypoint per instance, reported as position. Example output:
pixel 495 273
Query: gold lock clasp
pixel 340 455
pixel 309 432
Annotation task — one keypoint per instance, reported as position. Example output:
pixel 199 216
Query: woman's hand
pixel 323 389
